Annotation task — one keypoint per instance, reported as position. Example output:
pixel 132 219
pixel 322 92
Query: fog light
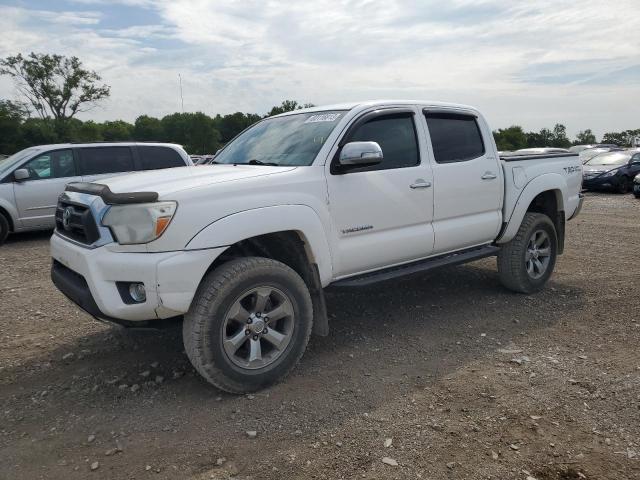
pixel 137 292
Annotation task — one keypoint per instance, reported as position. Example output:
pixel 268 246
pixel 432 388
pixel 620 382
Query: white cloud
pixel 531 63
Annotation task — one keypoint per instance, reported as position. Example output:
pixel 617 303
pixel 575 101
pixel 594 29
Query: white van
pixel 32 179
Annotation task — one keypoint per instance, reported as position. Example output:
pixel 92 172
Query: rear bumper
pixel 89 278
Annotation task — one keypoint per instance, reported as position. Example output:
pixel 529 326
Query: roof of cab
pixel 374 103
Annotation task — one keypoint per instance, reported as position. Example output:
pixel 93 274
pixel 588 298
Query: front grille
pixel 76 222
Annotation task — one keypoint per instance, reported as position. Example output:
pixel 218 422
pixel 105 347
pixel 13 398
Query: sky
pixel 525 62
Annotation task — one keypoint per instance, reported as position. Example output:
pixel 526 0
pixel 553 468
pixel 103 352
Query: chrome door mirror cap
pixel 360 154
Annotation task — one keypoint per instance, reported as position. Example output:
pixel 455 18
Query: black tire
pixel 512 258
pixel 624 185
pixel 205 323
pixel 4 228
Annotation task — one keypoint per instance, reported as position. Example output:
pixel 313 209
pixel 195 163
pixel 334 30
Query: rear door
pixel 104 162
pixel 37 197
pixel 467 180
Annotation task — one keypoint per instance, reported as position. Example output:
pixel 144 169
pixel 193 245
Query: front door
pixel 37 197
pixel 382 214
pixel 467 182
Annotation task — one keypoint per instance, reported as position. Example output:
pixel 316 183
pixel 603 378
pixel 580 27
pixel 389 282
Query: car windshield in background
pixel 614 158
pixel 7 163
pixel 292 140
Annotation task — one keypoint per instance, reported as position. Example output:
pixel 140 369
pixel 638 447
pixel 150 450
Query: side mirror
pixel 360 154
pixel 21 174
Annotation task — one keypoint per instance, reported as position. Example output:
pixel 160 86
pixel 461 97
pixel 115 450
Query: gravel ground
pixel 446 375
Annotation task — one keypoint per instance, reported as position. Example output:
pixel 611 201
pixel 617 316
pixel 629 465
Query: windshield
pixel 9 162
pixel 292 140
pixel 613 158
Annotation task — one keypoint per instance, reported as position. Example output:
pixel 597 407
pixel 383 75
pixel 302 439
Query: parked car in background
pixel 589 153
pixel 539 151
pixel 32 179
pixel 612 170
pixel 580 148
pixel 636 186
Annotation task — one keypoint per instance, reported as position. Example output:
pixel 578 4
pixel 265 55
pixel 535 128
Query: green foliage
pixel 57 87
pixel 194 131
pixel 117 131
pixel 147 129
pixel 515 138
pixel 12 114
pixel 585 137
pixel 230 125
pixel 621 138
pixel 512 138
pixel 288 106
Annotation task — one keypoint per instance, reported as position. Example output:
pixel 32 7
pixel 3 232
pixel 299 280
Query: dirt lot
pixel 446 375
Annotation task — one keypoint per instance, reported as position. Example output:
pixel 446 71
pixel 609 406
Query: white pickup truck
pixel 344 195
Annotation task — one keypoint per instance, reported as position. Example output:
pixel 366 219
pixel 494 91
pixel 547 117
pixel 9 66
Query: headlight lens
pixel 610 173
pixel 139 223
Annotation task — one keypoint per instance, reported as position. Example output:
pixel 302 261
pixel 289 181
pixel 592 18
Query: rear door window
pixel 99 160
pixel 454 137
pixel 154 157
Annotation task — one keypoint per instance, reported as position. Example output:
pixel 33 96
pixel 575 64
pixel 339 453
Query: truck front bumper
pixel 90 278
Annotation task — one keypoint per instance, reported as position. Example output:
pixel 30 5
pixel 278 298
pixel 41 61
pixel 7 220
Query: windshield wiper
pixel 255 161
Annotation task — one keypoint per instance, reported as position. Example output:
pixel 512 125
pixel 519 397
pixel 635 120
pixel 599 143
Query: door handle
pixel 420 184
pixel 489 176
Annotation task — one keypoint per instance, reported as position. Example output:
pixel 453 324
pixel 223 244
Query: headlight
pixel 139 223
pixel 610 173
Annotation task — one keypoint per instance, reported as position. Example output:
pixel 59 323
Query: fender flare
pixel 261 221
pixel 543 183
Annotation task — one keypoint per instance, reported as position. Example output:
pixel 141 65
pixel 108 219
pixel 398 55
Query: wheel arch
pixel 291 234
pixel 9 217
pixel 544 195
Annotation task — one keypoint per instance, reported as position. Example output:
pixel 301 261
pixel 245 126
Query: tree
pixel 147 129
pixel 231 125
pixel 512 138
pixel 194 131
pixel 288 106
pixel 559 137
pixel 12 115
pixel 56 86
pixel 118 130
pixel 585 137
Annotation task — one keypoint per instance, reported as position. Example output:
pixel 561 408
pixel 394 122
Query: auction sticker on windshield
pixel 323 117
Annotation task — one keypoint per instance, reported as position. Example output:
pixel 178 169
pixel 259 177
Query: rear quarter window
pixel 154 157
pixel 99 160
pixel 454 137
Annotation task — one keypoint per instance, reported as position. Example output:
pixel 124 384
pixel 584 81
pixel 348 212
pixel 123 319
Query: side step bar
pixel 456 258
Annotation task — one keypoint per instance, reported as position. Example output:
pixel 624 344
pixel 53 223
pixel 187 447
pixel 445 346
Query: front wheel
pixel 248 325
pixel 624 185
pixel 4 228
pixel 527 261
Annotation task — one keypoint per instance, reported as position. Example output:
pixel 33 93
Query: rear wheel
pixel 248 325
pixel 624 185
pixel 4 228
pixel 527 261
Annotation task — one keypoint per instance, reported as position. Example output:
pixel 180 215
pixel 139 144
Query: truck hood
pixel 172 180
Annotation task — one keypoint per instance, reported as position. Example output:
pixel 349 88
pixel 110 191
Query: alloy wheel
pixel 258 327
